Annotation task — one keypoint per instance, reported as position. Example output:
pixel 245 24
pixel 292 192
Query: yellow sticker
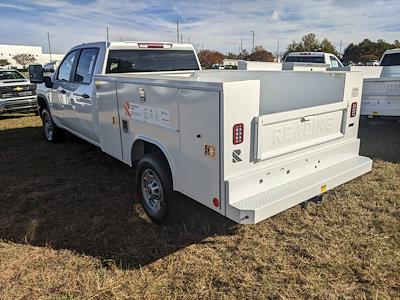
pixel 375 113
pixel 323 188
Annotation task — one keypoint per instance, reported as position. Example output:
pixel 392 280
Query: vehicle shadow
pixel 380 138
pixel 73 196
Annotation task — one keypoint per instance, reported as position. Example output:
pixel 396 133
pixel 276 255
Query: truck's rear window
pixel 127 61
pixel 306 59
pixel 391 60
pixel 9 75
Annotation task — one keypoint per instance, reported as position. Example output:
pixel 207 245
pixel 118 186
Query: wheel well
pixel 42 104
pixel 141 148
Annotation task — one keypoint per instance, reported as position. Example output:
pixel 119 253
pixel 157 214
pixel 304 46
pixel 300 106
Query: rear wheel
pixel 51 132
pixel 154 186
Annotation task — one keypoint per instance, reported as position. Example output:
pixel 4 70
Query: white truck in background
pixel 17 94
pixel 295 61
pixel 381 89
pixel 241 143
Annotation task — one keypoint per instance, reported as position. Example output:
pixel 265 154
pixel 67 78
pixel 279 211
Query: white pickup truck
pixel 241 143
pixel 322 58
pixel 17 94
pixel 295 61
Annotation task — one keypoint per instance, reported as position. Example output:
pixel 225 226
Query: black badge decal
pixel 236 156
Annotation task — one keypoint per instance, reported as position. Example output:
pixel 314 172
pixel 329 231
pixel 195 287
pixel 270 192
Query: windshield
pixel 306 59
pixel 9 75
pixel 128 61
pixel 391 60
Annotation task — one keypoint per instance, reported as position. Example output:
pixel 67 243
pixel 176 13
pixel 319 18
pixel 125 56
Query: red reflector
pixel 353 110
pixel 216 202
pixel 238 133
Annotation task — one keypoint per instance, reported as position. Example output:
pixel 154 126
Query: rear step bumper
pixel 272 201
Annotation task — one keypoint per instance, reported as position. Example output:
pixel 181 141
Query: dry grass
pixel 68 231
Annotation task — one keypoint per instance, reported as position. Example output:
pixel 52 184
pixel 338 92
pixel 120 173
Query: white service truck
pixel 246 144
pixel 295 61
pixel 381 91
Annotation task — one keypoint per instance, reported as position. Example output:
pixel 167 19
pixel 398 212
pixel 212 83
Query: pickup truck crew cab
pixel 313 58
pixel 240 143
pixel 16 92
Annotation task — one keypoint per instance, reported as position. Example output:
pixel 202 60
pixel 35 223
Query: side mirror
pixel 36 73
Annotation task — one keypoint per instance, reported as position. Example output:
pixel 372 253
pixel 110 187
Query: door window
pixel 65 69
pixel 86 64
pixel 334 62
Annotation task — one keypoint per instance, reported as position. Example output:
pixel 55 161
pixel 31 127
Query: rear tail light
pixel 353 110
pixel 238 133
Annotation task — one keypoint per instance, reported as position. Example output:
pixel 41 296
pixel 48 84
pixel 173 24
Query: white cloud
pixel 275 16
pixel 217 24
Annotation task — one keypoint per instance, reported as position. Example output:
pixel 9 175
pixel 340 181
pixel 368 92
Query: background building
pixel 9 51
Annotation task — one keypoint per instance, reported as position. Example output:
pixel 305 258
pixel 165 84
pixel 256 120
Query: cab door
pixel 63 89
pixel 84 91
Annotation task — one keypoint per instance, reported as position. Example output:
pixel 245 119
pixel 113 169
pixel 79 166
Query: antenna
pixel 107 34
pixel 252 31
pixel 177 30
pixel 48 39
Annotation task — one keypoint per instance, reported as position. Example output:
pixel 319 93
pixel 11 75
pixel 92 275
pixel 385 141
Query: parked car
pixel 17 94
pixel 51 66
pixel 241 143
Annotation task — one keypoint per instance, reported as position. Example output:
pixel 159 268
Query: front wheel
pixel 154 186
pixel 51 132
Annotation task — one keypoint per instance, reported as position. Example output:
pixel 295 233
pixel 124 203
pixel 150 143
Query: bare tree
pixel 4 63
pixel 24 59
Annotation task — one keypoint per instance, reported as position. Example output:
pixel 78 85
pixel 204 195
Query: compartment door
pixel 200 148
pixel 109 123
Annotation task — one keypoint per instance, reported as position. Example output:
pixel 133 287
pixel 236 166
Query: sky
pixel 213 24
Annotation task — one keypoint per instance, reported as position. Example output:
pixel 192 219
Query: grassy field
pixel 68 230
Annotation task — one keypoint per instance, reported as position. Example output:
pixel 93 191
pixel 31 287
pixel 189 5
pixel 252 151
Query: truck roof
pixel 391 51
pixel 139 45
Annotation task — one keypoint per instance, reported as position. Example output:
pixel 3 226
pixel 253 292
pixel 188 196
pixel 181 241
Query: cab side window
pixel 65 69
pixel 334 62
pixel 86 64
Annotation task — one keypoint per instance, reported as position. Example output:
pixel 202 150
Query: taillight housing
pixel 353 110
pixel 238 133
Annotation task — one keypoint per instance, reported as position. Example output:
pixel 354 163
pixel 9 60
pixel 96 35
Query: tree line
pixel 24 59
pixel 362 52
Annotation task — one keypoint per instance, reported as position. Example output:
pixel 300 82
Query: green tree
pixel 396 44
pixel 326 46
pixel 367 50
pixel 24 59
pixel 309 42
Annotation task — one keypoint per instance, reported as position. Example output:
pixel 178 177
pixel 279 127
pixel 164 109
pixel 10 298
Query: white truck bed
pixel 299 136
pixel 381 89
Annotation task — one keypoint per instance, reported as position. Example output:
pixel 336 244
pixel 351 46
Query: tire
pixel 154 186
pixel 51 132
